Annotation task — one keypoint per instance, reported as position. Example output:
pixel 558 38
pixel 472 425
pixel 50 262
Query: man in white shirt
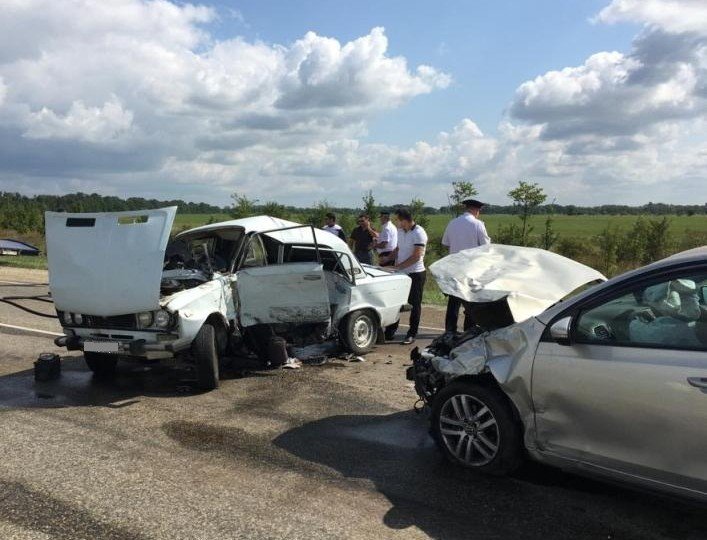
pixel 463 232
pixel 387 240
pixel 332 227
pixel 410 260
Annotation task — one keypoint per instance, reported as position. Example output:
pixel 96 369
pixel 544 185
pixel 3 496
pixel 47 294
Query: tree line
pixel 22 213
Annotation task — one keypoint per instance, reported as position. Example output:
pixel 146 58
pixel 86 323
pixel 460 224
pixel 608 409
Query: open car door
pixel 289 293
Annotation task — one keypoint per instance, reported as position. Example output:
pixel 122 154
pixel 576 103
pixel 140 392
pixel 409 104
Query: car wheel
pixel 205 355
pixel 360 332
pixel 102 364
pixel 475 428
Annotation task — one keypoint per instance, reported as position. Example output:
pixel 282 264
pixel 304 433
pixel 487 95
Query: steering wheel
pixel 603 332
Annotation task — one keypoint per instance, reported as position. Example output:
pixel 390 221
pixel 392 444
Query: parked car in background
pixel 9 246
pixel 123 290
pixel 611 381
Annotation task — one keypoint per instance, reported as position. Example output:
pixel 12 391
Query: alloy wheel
pixel 469 430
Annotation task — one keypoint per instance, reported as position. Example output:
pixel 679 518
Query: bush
pixel 571 247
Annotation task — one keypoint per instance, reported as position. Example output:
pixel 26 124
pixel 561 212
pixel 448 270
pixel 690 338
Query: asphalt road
pixel 329 451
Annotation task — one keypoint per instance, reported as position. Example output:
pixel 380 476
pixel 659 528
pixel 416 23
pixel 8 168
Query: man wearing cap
pixel 463 232
pixel 410 260
pixel 387 240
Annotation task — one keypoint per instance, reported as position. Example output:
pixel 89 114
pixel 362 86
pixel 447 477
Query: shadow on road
pixel 53 518
pixel 78 387
pixel 396 454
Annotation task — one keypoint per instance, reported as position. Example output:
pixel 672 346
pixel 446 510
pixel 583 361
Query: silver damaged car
pixel 607 378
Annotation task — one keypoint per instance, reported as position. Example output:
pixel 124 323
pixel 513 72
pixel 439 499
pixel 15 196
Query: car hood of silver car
pixel 530 279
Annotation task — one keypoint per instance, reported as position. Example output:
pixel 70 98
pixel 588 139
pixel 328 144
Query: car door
pixel 627 393
pixel 291 293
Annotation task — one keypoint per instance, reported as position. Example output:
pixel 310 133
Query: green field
pixel 578 226
pixel 686 231
pixel 24 261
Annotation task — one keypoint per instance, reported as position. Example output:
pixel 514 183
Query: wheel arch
pixel 488 380
pixel 221 329
pixel 364 307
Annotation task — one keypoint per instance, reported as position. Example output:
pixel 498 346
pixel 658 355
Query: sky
pixel 598 101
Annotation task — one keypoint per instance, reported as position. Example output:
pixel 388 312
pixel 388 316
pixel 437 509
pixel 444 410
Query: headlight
pixel 162 318
pixel 67 318
pixel 145 318
pixel 78 318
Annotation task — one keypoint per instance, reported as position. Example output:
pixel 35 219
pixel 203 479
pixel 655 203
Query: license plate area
pixel 101 346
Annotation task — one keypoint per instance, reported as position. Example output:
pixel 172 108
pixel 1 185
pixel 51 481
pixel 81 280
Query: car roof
pixel 249 224
pixel 259 224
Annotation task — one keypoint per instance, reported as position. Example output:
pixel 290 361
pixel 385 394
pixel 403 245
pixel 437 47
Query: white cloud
pixel 138 97
pixel 670 15
pixel 81 123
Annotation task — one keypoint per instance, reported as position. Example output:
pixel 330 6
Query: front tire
pixel 474 426
pixel 102 364
pixel 360 332
pixel 205 355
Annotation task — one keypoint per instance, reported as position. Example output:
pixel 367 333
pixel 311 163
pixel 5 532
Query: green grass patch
pixel 24 261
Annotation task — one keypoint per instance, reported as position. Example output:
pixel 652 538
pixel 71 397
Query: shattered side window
pixel 255 256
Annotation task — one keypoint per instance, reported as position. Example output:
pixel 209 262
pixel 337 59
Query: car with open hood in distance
pixel 122 289
pixel 607 378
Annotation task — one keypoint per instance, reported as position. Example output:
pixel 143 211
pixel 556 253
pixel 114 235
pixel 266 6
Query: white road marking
pixel 424 327
pixel 34 330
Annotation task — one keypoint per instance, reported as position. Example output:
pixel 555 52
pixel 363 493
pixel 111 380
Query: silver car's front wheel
pixel 469 430
pixel 475 427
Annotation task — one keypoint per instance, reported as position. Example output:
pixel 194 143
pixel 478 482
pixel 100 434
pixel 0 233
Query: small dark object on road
pixel 47 367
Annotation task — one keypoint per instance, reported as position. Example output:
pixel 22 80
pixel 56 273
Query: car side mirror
pixel 560 330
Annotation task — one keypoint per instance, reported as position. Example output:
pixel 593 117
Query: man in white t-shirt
pixel 464 232
pixel 387 240
pixel 332 227
pixel 410 260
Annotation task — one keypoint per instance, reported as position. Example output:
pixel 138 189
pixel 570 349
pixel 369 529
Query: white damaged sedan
pixel 611 380
pixel 122 290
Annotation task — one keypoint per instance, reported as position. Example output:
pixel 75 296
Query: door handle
pixel 698 382
pixel 312 278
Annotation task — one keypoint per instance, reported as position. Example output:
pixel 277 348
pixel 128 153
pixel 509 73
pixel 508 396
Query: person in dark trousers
pixel 464 232
pixel 410 260
pixel 362 239
pixel 333 227
pixel 387 240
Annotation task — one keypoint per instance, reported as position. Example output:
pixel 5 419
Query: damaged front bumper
pixel 135 343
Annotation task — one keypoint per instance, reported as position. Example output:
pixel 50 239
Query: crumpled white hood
pixel 531 279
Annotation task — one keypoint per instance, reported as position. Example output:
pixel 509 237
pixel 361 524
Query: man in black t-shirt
pixel 361 239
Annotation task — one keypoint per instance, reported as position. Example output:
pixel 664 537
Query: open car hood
pixel 530 279
pixel 107 263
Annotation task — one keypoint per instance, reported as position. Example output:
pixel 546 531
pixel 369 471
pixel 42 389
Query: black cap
pixel 473 203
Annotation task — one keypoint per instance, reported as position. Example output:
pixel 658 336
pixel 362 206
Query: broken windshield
pixel 210 251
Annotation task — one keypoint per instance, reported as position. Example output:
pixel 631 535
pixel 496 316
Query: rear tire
pixel 102 364
pixel 474 427
pixel 205 355
pixel 360 332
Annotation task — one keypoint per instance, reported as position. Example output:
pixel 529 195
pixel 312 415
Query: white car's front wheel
pixel 360 331
pixel 205 355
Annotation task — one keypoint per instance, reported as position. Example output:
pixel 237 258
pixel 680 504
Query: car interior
pixel 671 313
